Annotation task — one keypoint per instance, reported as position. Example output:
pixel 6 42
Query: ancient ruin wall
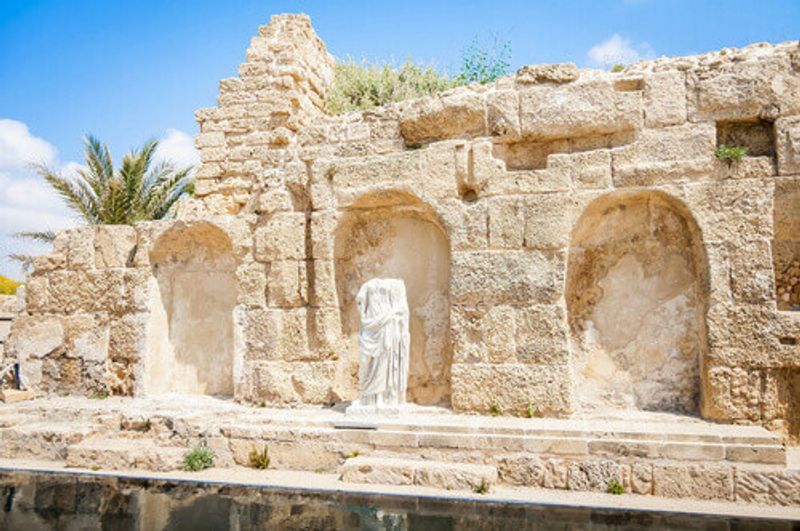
pixel 507 171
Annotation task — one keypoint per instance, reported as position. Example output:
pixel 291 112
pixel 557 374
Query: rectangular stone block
pixel 521 277
pixel 459 113
pixel 506 224
pixel 732 211
pixel 702 482
pixel 282 237
pixel 664 98
pixel 114 246
pixel 511 388
pixel 666 155
pixel 465 223
pixel 287 284
pixel 787 145
pixel 578 109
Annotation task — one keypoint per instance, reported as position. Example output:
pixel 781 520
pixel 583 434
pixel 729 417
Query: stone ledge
pixel 451 476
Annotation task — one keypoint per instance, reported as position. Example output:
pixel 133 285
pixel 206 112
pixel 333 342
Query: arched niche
pixel 191 330
pixel 395 235
pixel 636 297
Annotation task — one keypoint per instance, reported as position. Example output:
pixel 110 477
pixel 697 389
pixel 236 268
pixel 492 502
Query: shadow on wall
pixel 190 334
pixel 395 235
pixel 636 297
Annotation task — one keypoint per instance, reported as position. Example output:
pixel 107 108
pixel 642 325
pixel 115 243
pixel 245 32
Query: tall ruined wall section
pixel 570 242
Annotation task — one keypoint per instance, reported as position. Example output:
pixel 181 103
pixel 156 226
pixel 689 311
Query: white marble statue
pixel 383 345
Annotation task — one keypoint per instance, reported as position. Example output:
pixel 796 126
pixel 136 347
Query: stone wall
pixel 549 203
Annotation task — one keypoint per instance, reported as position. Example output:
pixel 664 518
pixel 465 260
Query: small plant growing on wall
pixel 531 412
pixel 198 458
pixel 730 154
pixel 614 487
pixel 617 68
pixel 494 409
pixel 351 455
pixel 259 460
pixel 481 488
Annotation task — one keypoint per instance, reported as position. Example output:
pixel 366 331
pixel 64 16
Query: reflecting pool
pixel 39 501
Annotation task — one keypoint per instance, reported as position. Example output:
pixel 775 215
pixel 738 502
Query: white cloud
pixel 27 203
pixel 19 148
pixel 178 148
pixel 618 50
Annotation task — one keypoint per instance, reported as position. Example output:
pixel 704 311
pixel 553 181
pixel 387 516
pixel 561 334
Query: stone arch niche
pixel 395 235
pixel 191 330
pixel 636 297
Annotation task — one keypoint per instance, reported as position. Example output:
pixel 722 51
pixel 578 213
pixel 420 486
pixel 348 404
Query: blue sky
pixel 128 71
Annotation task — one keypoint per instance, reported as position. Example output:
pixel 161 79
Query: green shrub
pixel 8 286
pixel 617 68
pixel 730 154
pixel 614 487
pixel 484 64
pixel 365 85
pixel 198 458
pixel 259 460
pixel 531 412
pixel 494 409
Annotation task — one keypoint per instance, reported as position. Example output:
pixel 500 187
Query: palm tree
pixel 139 190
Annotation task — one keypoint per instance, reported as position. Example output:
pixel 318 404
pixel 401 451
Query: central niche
pixel 636 297
pixel 191 330
pixel 395 235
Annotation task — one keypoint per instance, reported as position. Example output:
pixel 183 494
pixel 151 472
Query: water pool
pixel 44 501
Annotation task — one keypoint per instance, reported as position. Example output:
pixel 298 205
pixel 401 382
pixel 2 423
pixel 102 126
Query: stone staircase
pixel 659 455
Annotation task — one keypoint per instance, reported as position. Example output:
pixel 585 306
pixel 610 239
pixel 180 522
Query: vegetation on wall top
pixel 8 286
pixel 364 85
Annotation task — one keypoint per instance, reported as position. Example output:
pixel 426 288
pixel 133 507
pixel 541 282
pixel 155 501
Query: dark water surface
pixel 79 502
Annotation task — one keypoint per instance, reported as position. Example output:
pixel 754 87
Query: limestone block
pixel 13 396
pixel 732 211
pixel 80 253
pixel 325 333
pixel 362 173
pixel 641 480
pixel 215 139
pixel 285 382
pixel 282 237
pixel 751 329
pixel 114 245
pixel 752 279
pixel 34 337
pixel 136 290
pixel 552 73
pixel 86 338
pixel 703 482
pixel 393 471
pixel 127 337
pixel 664 155
pixel 272 201
pixel 778 487
pixel 252 285
pixel 384 472
pixel 541 335
pixel 761 88
pixel 287 284
pixel 521 277
pixel 593 475
pixel 511 388
pixel 549 219
pixel 732 394
pixel 323 233
pixel 588 108
pixel 456 114
pixel 664 98
pixel 787 144
pixel 465 223
pixel 276 334
pixel 438 170
pixel 502 111
pixel 506 224
pixel 522 470
pixel 587 169
pixel 322 292
pixel 556 473
pixel 36 295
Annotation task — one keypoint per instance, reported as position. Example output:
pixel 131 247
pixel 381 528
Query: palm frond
pixel 25 260
pixel 77 194
pixel 45 236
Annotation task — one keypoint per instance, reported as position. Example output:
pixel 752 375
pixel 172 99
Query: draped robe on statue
pixel 383 343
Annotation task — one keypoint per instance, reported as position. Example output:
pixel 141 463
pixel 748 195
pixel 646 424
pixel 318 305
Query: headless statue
pixel 383 346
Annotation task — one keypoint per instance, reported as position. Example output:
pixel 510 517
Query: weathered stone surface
pixel 282 237
pixel 593 475
pixel 584 108
pixel 521 470
pixel 771 488
pixel 453 115
pixel 664 98
pixel 450 476
pixel 114 246
pixel 672 154
pixel 703 482
pixel 475 388
pixel 555 73
pixel 787 145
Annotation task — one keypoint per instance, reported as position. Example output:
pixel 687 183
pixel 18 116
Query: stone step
pixel 124 454
pixel 42 440
pixel 423 473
